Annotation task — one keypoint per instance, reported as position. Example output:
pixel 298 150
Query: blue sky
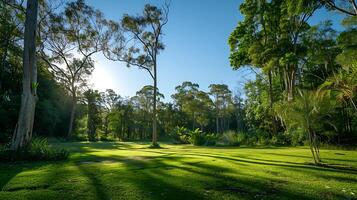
pixel 196 46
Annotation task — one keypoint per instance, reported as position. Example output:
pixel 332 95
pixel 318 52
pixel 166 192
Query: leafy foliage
pixel 39 150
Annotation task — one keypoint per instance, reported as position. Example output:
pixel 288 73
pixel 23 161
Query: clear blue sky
pixel 196 46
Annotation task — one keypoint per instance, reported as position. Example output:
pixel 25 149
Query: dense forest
pixel 304 91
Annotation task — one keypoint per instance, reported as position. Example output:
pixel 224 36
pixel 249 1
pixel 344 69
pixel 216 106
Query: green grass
pixel 134 171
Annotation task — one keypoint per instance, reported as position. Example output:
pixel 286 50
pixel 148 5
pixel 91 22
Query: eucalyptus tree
pixel 222 99
pixel 204 106
pixel 146 33
pixel 194 102
pixel 23 130
pixel 93 101
pixel 109 99
pixel 69 39
pixel 185 99
pixel 144 100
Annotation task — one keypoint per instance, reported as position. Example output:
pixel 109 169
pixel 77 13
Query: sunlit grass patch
pixel 110 170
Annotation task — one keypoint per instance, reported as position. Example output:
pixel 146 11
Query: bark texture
pixel 23 130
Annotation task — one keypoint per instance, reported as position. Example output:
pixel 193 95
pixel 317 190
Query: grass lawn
pixel 133 171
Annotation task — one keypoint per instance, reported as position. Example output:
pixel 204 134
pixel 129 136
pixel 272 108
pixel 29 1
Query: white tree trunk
pixel 23 130
pixel 154 125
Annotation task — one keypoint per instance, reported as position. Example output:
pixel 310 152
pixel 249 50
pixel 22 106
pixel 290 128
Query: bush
pixel 231 138
pixel 39 149
pixel 281 139
pixel 107 138
pixel 211 139
pixel 197 137
pixel 180 135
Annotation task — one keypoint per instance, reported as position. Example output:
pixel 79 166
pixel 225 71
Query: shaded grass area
pixel 115 170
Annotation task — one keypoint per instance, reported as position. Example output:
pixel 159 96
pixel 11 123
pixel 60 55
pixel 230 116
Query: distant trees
pixel 109 100
pixel 92 98
pixel 24 127
pixel 143 100
pixel 186 99
pixel 222 101
pixel 194 102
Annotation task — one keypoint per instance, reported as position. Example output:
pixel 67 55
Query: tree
pixel 270 38
pixel 144 100
pixel 194 102
pixel 109 100
pixel 69 39
pixel 185 99
pixel 12 18
pixel 311 113
pixel 204 105
pixel 23 130
pixel 222 98
pixel 146 30
pixel 93 100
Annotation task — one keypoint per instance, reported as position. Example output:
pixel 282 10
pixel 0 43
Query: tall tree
pixel 269 38
pixel 109 100
pixel 69 40
pixel 92 98
pixel 146 31
pixel 144 100
pixel 222 98
pixel 23 131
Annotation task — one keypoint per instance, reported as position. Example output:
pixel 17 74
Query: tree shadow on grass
pixel 178 175
pixel 278 163
pixel 153 179
pixel 300 156
pixel 95 181
pixel 10 170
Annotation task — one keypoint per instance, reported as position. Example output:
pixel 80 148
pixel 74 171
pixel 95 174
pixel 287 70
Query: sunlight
pixel 102 79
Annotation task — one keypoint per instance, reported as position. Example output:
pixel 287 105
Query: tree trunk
pixel 217 113
pixel 71 120
pixel 106 125
pixel 193 121
pixel 289 83
pixel 271 101
pixel 154 125
pixel 23 130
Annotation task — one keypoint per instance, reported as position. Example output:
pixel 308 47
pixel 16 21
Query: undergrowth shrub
pixel 197 137
pixel 180 135
pixel 211 139
pixel 39 149
pixel 231 138
pixel 107 138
